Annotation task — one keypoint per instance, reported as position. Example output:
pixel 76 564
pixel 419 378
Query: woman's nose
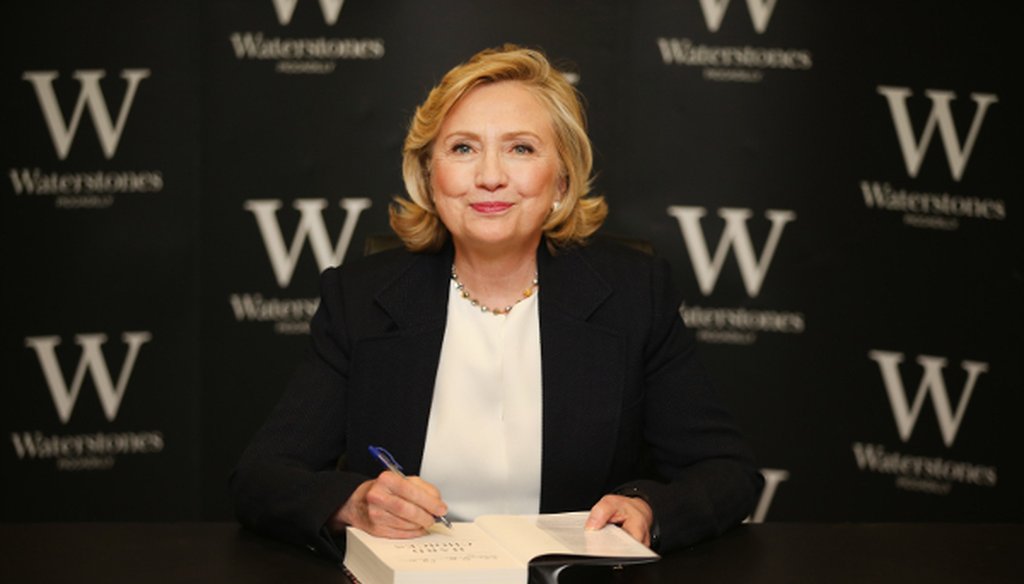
pixel 490 174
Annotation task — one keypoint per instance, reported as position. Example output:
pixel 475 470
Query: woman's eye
pixel 461 149
pixel 522 149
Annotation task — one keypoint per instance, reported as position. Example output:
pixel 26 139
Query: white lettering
pixel 707 269
pixel 874 458
pixel 760 13
pixel 933 384
pixel 311 226
pixel 772 478
pixel 63 133
pixel 91 361
pixel 286 9
pixel 913 149
pixel 683 51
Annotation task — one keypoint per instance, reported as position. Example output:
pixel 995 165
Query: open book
pixel 496 549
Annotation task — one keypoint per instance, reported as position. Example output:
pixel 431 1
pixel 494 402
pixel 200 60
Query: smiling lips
pixel 489 207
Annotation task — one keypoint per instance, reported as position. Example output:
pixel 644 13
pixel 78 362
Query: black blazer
pixel 626 406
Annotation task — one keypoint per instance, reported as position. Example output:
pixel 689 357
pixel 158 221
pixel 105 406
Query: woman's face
pixel 495 170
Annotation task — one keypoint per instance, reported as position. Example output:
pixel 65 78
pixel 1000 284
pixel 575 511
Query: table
pixel 223 553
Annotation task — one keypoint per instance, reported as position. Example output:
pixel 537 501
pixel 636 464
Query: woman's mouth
pixel 490 207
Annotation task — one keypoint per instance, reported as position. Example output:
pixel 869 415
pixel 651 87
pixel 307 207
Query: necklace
pixel 495 311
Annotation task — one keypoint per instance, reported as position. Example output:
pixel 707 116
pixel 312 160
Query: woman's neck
pixel 496 279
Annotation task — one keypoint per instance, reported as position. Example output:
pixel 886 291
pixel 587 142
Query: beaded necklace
pixel 495 311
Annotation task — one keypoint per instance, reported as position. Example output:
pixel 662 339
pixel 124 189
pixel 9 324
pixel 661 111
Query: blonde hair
pixel 415 219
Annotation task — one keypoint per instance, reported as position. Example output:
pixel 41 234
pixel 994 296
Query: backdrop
pixel 833 183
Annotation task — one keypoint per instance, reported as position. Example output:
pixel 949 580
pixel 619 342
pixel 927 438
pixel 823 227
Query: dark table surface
pixel 149 553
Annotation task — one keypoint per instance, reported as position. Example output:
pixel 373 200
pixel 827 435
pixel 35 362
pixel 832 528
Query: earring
pixel 556 206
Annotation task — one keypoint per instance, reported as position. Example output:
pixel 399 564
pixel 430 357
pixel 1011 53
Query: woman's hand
pixel 391 506
pixel 633 514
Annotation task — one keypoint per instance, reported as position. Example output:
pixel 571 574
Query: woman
pixel 513 365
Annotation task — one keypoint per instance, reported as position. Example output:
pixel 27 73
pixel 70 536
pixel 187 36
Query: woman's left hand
pixel 634 515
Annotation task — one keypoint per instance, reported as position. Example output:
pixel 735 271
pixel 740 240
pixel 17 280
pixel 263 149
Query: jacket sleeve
pixel 287 483
pixel 706 481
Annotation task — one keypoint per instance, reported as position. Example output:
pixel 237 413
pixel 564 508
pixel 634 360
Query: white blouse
pixel 483 447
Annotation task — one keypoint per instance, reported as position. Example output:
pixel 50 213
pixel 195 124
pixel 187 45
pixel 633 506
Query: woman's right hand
pixel 391 506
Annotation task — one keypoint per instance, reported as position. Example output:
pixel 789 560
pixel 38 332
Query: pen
pixel 389 461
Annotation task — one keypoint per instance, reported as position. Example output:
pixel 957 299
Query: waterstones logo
pixel 291 315
pixel 94 451
pixel 737 63
pixel 928 208
pixel 934 210
pixel 932 385
pixel 760 13
pixel 738 326
pixel 304 55
pixel 311 228
pixel 286 9
pixel 929 474
pixel 92 188
pixel 91 362
pixel 89 96
pixel 90 451
pixel 924 474
pixel 773 477
pixel 941 117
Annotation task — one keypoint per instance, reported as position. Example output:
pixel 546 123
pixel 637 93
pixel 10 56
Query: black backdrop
pixel 832 182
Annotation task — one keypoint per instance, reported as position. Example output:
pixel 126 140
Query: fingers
pixel 391 506
pixel 600 514
pixel 412 498
pixel 433 502
pixel 632 514
pixel 416 491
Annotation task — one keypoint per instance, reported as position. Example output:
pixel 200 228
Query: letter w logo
pixel 91 361
pixel 311 226
pixel 286 8
pixel 760 13
pixel 913 149
pixel 932 383
pixel 89 95
pixel 752 269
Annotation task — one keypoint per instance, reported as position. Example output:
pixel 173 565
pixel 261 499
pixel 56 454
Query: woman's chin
pixel 494 239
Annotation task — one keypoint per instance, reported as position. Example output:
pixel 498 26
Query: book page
pixel 529 536
pixel 465 549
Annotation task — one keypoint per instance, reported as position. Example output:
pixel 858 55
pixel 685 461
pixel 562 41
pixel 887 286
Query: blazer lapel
pixel 400 365
pixel 418 293
pixel 583 369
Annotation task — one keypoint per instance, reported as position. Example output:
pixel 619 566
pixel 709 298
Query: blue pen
pixel 389 461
